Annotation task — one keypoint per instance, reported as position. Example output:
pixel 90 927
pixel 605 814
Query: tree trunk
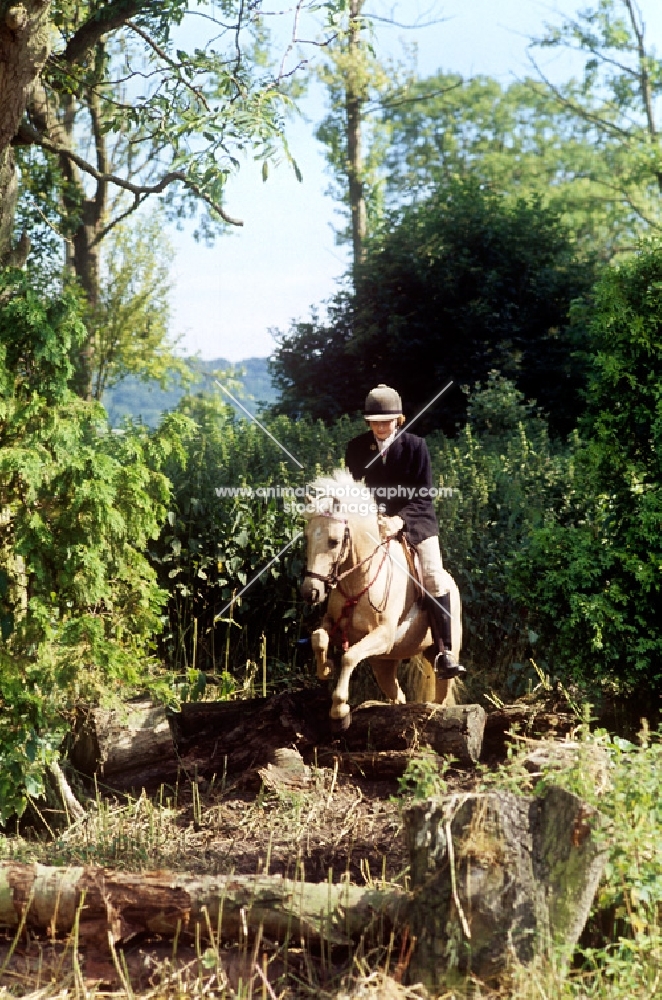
pixel 354 109
pixel 24 44
pixel 83 250
pixel 496 880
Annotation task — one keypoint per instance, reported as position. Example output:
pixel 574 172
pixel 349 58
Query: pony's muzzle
pixel 313 591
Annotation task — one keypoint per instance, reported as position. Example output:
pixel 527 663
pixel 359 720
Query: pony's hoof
pixel 341 725
pixel 323 673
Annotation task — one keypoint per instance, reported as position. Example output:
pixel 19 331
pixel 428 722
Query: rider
pixel 392 461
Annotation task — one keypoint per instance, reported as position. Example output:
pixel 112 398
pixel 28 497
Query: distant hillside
pixel 147 400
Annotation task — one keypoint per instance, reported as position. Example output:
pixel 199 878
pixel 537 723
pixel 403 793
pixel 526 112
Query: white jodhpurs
pixel 431 566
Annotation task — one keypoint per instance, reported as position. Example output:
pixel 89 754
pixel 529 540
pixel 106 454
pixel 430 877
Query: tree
pixel 130 321
pixel 616 101
pixel 515 140
pixel 350 74
pixel 592 576
pixel 461 284
pixel 121 111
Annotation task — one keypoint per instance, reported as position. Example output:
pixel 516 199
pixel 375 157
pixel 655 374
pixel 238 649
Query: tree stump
pixel 498 880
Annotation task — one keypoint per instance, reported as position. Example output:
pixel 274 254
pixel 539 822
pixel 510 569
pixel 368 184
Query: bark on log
pixel 499 880
pixel 146 747
pixel 527 720
pixel 496 880
pixel 125 904
pixel 130 747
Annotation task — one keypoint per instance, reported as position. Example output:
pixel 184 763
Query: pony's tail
pixel 419 683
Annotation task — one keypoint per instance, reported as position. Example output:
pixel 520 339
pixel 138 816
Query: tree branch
pixel 29 136
pixel 111 16
pixel 170 62
pixel 577 109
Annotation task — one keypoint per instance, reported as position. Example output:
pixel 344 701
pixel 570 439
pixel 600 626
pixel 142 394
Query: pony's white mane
pixel 341 495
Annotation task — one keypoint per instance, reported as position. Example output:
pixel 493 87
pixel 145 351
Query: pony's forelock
pixel 340 495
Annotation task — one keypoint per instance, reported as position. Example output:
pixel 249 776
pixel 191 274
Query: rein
pixel 334 578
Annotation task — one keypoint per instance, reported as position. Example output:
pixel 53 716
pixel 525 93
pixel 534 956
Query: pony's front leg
pixel 378 641
pixel 319 640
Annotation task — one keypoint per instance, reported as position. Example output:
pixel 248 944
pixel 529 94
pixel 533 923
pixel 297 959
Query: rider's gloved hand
pixel 390 525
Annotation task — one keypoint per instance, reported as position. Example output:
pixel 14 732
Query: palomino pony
pixel 374 612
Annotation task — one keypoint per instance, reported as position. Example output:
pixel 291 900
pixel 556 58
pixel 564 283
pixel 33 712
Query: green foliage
pixel 593 574
pixel 213 545
pixel 517 140
pixel 78 505
pixel 130 321
pixel 463 283
pixel 424 777
pixel 508 478
pixel 615 102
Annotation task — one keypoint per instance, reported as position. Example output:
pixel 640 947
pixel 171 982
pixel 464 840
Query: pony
pixel 374 610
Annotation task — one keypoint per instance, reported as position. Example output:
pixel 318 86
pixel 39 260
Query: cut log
pixel 456 731
pixel 499 880
pixel 526 720
pixel 146 746
pixel 124 905
pixel 128 747
pixel 496 880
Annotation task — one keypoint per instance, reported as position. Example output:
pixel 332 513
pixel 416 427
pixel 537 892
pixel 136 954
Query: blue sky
pixel 284 260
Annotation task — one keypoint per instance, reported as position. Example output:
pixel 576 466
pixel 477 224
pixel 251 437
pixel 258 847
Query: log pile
pixel 148 746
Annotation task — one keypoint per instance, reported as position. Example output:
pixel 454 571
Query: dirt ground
pixel 332 826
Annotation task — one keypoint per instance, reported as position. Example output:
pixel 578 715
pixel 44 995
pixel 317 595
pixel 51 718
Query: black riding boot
pixel 439 613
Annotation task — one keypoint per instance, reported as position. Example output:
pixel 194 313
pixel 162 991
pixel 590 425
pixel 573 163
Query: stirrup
pixel 446 668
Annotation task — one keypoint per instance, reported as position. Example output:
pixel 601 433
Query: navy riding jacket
pixel 401 482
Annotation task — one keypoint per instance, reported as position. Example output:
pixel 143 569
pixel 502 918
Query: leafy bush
pixel 593 574
pixel 79 602
pixel 508 478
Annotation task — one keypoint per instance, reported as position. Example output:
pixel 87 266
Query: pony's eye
pixel 333 543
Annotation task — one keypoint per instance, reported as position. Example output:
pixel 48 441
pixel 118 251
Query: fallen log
pixel 455 731
pixel 496 880
pixel 125 904
pixel 526 720
pixel 147 746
